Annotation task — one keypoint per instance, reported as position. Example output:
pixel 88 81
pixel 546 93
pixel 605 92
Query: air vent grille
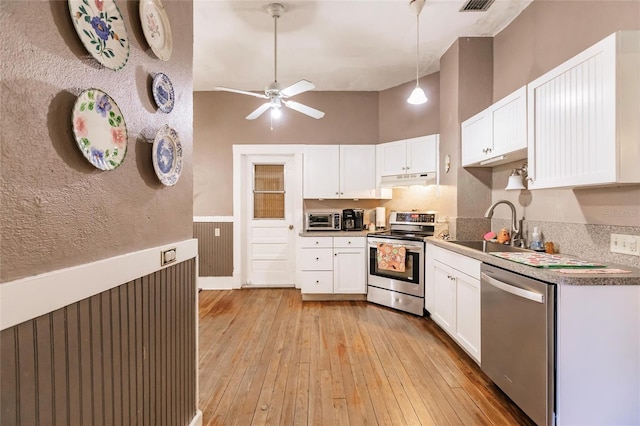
pixel 476 5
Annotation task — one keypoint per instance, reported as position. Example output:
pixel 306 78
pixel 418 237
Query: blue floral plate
pixel 101 29
pixel 99 129
pixel 167 155
pixel 163 92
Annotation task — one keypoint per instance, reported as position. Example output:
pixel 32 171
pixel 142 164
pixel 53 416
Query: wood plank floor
pixel 266 357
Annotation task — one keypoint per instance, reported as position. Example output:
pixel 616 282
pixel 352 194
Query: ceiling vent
pixel 476 6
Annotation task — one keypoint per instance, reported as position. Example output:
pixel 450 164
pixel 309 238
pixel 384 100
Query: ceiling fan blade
pixel 296 88
pixel 259 111
pixel 242 92
pixel 311 112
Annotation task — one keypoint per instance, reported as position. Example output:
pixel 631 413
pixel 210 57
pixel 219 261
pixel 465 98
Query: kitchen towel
pixel 391 257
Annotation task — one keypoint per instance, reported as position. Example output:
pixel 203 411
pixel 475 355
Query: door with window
pixel 270 236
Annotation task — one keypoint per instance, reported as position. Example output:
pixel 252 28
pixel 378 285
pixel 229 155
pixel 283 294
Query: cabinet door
pixel 349 266
pixel 391 158
pixel 322 171
pixel 509 117
pixel 421 154
pixel 571 111
pixel 357 171
pixel 468 314
pixel 476 134
pixel 444 298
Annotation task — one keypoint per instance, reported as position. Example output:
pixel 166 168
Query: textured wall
pixel 400 120
pixel 215 253
pixel 546 34
pixel 219 123
pixel 58 210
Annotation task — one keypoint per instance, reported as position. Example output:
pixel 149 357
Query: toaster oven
pixel 322 221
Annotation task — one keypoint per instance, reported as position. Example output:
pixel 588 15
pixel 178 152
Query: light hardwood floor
pixel 266 357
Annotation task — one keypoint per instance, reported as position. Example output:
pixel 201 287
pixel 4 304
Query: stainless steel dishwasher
pixel 518 339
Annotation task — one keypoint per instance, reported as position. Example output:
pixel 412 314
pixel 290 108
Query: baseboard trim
pixel 197 419
pixel 215 283
pixel 30 297
pixel 307 297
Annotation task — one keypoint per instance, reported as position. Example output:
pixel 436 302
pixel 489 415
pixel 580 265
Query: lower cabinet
pixel 333 265
pixel 452 296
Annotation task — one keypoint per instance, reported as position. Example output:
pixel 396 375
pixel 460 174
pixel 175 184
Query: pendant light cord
pixel 417 47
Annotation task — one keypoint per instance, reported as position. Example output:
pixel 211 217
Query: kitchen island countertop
pixel 545 274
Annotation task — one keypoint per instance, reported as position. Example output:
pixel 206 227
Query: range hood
pixel 392 181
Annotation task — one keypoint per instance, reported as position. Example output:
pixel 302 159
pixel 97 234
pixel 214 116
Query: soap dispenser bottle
pixel 536 240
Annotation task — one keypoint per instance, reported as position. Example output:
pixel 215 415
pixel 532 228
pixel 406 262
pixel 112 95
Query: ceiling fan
pixel 274 92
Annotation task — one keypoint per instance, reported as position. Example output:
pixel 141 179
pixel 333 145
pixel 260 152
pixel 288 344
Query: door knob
pixel 290 227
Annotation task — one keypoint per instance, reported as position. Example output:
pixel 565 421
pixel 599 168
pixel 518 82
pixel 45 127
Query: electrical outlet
pixel 167 256
pixel 625 244
pixel 216 232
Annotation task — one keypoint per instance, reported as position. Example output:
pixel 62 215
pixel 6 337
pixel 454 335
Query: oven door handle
pixel 411 249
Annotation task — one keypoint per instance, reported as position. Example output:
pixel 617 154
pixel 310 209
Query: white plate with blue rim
pixel 167 155
pixel 101 29
pixel 156 28
pixel 163 94
pixel 99 129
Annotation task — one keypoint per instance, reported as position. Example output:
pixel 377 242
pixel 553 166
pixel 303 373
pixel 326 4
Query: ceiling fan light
pixel 417 97
pixel 276 112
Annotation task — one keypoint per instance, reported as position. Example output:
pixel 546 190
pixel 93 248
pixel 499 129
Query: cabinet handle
pixel 336 193
pixel 317 258
pixel 317 282
pixel 335 254
pixel 349 242
pixel 489 149
pixel 317 242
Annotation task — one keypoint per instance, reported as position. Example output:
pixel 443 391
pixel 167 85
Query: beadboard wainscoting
pixel 124 354
pixel 215 251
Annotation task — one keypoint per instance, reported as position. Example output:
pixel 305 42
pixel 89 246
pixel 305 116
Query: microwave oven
pixel 323 221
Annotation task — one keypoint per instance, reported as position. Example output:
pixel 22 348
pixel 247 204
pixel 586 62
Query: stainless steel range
pixel 396 261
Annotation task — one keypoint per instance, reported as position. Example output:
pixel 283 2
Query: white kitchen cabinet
pixel 407 156
pixel 333 265
pixel 452 296
pixel 583 117
pixel 497 134
pixel 357 171
pixel 339 171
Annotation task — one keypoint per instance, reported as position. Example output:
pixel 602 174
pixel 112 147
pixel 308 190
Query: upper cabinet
pixel 339 171
pixel 407 156
pixel 498 134
pixel 584 117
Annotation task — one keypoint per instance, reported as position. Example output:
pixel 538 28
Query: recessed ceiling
pixel 337 45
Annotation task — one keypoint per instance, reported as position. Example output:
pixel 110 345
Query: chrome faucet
pixel 515 234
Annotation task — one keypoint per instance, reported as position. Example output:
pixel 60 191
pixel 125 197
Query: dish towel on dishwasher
pixel 391 257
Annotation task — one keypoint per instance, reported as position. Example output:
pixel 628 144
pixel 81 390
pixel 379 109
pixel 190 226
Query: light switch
pixel 216 232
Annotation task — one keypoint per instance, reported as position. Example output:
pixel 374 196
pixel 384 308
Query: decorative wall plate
pixel 167 155
pixel 163 92
pixel 156 28
pixel 99 129
pixel 101 29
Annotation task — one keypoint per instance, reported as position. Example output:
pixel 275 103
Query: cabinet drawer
pixel 460 262
pixel 348 242
pixel 317 259
pixel 316 242
pixel 316 282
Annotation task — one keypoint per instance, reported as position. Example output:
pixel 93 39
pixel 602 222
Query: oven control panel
pixel 413 217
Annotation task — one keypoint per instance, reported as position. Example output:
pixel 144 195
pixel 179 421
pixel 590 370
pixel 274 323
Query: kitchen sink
pixel 487 246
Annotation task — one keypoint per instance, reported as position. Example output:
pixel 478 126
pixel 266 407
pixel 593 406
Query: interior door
pixel 270 237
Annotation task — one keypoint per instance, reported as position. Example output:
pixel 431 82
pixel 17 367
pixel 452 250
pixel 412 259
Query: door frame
pixel 240 186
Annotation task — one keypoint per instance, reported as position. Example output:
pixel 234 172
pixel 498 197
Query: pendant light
pixel 417 97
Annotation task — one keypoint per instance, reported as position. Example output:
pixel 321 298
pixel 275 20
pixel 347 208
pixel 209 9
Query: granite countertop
pixel 334 233
pixel 545 274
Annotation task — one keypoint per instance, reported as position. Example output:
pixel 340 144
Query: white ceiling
pixel 356 45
